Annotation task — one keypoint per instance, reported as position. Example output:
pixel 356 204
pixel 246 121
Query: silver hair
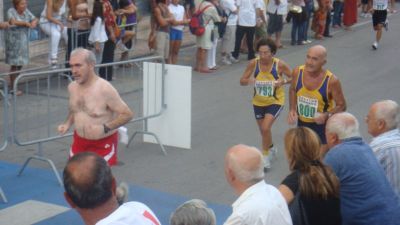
pixel 90 58
pixel 344 124
pixel 245 175
pixel 193 212
pixel 388 110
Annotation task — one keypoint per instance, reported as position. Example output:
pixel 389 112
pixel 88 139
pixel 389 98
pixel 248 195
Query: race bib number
pixel 307 107
pixel 264 88
pixel 380 6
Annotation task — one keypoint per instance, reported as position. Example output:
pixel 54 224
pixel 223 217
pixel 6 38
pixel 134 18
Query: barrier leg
pixel 44 159
pixel 3 196
pixel 148 133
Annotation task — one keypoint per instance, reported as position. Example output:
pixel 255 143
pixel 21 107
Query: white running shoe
pixel 375 45
pixel 226 61
pixel 121 46
pixel 267 163
pixel 233 59
pixel 122 193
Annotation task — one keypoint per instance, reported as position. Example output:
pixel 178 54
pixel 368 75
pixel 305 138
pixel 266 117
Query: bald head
pixel 344 125
pixel 88 180
pixel 246 163
pixel 319 50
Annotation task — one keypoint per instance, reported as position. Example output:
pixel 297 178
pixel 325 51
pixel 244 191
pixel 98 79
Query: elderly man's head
pixel 382 117
pixel 193 212
pixel 341 126
pixel 243 167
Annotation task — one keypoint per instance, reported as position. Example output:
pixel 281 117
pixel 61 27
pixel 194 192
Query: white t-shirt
pixel 178 11
pixel 229 6
pixel 281 9
pixel 131 213
pixel 247 12
pixel 56 15
pixel 260 204
pixel 380 4
pixel 98 32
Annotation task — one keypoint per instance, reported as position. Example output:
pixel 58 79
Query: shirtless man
pixel 315 94
pixel 95 109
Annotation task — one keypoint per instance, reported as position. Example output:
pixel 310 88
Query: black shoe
pixel 328 35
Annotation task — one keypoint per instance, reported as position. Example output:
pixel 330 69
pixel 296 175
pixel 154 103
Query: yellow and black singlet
pixel 265 93
pixel 311 101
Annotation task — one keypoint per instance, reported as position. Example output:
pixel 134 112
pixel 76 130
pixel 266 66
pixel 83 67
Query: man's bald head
pixel 319 50
pixel 246 163
pixel 88 180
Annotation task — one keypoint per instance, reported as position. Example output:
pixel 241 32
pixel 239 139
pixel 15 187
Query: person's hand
pixel 61 26
pixel 33 24
pixel 371 10
pixel 4 25
pixel 321 118
pixel 292 117
pixel 62 128
pixel 279 83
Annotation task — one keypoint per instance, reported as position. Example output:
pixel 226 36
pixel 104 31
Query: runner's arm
pixel 118 107
pixel 292 116
pixel 247 77
pixel 284 68
pixel 337 95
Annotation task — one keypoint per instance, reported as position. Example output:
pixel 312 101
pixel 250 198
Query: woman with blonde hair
pixel 312 188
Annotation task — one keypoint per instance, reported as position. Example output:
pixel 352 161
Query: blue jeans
pixel 337 13
pixel 306 25
pixel 297 27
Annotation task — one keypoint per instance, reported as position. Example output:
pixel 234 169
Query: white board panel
pixel 173 127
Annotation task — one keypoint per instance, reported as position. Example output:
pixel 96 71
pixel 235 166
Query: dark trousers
pixel 76 40
pixel 309 10
pixel 240 32
pixel 337 13
pixel 327 24
pixel 108 57
pixel 297 28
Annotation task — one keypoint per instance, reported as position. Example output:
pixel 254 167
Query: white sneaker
pixel 267 163
pixel 375 45
pixel 121 46
pixel 122 193
pixel 233 59
pixel 273 153
pixel 386 25
pixel 226 61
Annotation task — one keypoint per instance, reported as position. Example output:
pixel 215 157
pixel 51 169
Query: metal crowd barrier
pixel 4 135
pixel 44 104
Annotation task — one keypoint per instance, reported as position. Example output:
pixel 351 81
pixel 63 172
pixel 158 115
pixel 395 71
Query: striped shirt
pixel 386 147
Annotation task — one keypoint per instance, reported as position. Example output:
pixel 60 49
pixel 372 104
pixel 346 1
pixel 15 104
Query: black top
pixel 319 211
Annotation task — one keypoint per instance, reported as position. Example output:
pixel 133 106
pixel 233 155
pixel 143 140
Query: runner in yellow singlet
pixel 266 74
pixel 315 93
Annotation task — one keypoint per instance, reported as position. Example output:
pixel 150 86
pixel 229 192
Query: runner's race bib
pixel 264 88
pixel 307 107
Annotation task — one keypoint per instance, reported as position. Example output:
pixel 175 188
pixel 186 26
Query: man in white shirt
pixel 90 189
pixel 382 120
pixel 247 18
pixel 275 10
pixel 228 40
pixel 258 203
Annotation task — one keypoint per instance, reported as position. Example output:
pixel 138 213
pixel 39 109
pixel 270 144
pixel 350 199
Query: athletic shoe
pixel 267 163
pixel 233 59
pixel 122 193
pixel 308 41
pixel 375 45
pixel 273 153
pixel 121 46
pixel 226 61
pixel 386 25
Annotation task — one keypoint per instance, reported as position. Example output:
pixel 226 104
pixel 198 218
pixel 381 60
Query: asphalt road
pixel 222 116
